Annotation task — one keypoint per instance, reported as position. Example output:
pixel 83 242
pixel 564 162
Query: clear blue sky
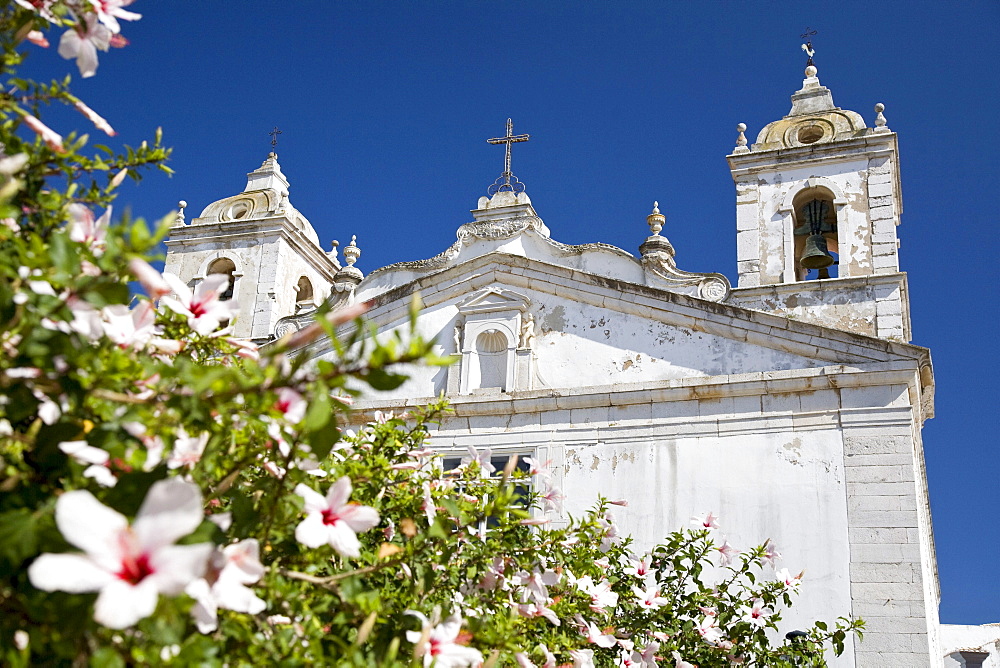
pixel 384 108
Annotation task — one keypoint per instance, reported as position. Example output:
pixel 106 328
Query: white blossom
pixel 129 565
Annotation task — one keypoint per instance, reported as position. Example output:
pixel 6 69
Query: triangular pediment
pixel 592 331
pixel 493 299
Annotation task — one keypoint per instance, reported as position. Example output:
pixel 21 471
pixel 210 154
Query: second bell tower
pixel 819 187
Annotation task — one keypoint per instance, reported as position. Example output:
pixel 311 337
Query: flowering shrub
pixel 173 495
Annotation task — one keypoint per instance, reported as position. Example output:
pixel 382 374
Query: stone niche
pixel 494 353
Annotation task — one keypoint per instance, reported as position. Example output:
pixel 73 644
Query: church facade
pixel 791 405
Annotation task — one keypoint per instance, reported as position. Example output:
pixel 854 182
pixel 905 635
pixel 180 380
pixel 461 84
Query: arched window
pixel 225 266
pixel 304 293
pixel 815 233
pixel 491 349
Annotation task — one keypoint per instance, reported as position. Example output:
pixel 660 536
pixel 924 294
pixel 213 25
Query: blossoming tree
pixel 173 495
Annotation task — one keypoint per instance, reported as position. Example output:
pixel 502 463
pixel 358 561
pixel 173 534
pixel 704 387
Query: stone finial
pixel 880 118
pixel 349 273
pixel 333 249
pixel 352 252
pixel 811 71
pixel 741 139
pixel 656 219
pixel 181 205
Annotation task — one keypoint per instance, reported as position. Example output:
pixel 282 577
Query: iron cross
pixel 511 138
pixel 274 136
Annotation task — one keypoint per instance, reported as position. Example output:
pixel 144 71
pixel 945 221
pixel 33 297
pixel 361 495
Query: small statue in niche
pixel 528 332
pixel 458 338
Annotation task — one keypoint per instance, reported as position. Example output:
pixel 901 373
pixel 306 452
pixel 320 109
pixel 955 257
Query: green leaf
pixel 106 657
pixel 382 380
pixel 18 539
pixel 319 412
pixel 64 254
pixel 323 440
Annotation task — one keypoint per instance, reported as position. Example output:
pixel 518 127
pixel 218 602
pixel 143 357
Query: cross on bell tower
pixel 507 180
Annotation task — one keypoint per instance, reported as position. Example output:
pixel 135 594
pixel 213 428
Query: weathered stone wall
pixel 871 305
pixel 269 262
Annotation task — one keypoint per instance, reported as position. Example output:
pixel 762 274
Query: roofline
pixel 686 309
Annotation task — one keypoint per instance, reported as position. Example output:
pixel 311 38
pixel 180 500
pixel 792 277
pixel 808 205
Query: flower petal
pixel 172 509
pixel 343 539
pixel 339 493
pixel 74 573
pixel 121 604
pixel 311 531
pixel 176 566
pixel 179 287
pixel 359 518
pixel 314 501
pixel 90 525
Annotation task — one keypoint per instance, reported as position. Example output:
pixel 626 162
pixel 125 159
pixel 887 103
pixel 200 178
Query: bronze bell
pixel 815 255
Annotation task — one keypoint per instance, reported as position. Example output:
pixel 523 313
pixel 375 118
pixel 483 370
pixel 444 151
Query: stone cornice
pixel 735 322
pixel 683 389
pixel 871 145
pixel 257 230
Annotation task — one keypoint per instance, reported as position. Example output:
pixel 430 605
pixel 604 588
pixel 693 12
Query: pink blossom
pixel 790 581
pixel 83 41
pixel 649 598
pixel 41 7
pixel 109 11
pixel 539 468
pixel 150 279
pixel 597 637
pixel 709 521
pixel 231 569
pixel 681 663
pixel 647 657
pixel 332 520
pixel 86 319
pixel 537 582
pixel 757 614
pixel 427 505
pixel 51 138
pixel 84 228
pixel 129 329
pixel 246 349
pixel 726 553
pixel 129 565
pixel 708 630
pixel 203 308
pixel 538 610
pixel 638 568
pixel 771 554
pixel 187 449
pixel 95 459
pixel 482 458
pixel 610 532
pixel 95 118
pixel 535 521
pixel 582 658
pixel 438 645
pixel 523 661
pixel 601 596
pixel 552 498
pixel 37 38
pixel 291 405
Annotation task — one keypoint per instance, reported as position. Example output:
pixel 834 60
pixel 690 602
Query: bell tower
pixel 271 253
pixel 817 204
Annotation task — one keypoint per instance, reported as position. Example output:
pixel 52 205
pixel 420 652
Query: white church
pixel 790 404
